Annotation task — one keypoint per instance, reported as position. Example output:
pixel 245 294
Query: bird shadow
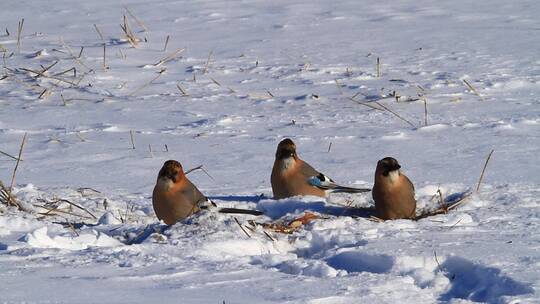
pixel 276 209
pixel 239 198
pixel 479 283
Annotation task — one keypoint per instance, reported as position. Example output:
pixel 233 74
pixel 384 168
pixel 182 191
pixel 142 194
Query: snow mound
pixel 39 238
pixel 479 283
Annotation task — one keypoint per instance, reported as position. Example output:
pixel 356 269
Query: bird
pixel 393 192
pixel 175 197
pixel 291 176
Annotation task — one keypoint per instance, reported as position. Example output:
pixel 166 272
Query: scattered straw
pixel 137 20
pixel 378 67
pixel 132 139
pixel 10 190
pixel 425 112
pixel 207 65
pixel 184 92
pixel 19 33
pixel 169 57
pixel 147 84
pixel 99 32
pixel 473 90
pixel 166 43
pixel 240 225
pixel 483 170
pixel 200 167
pixel 131 38
pixel 395 114
pixel 9 155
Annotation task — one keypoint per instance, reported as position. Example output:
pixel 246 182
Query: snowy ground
pixel 264 71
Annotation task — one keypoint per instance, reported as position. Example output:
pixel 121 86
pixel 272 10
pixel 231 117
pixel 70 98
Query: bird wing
pixel 308 171
pixel 411 185
pixel 324 182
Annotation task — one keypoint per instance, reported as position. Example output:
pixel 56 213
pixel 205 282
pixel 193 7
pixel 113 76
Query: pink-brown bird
pixel 291 176
pixel 176 198
pixel 393 192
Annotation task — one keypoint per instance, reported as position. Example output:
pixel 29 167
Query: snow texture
pixel 252 73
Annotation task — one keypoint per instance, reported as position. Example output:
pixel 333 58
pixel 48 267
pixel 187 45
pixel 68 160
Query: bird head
pixel 285 149
pixel 171 170
pixel 387 165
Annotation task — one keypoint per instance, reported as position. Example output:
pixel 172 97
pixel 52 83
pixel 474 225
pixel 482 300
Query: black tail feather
pixel 343 189
pixel 240 211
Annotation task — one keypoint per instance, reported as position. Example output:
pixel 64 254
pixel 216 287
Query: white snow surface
pixel 257 72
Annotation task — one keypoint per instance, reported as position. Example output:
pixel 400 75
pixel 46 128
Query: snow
pixel 275 70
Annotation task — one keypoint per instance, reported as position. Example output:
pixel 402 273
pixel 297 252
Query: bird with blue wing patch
pixel 291 176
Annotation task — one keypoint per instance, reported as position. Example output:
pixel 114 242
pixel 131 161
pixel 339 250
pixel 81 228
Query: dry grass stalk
pixel 74 70
pixel 473 90
pixel 99 32
pixel 50 211
pixel 64 102
pixel 200 167
pixel 105 67
pixel 365 104
pixel 45 69
pixel 8 199
pixel 215 81
pixel 207 65
pixel 150 150
pixel 441 201
pixel 77 59
pixel 9 155
pixel 184 93
pixel 329 147
pixel 378 67
pixel 46 93
pixel 7 32
pixel 131 38
pixel 34 87
pixel 439 268
pixel 146 84
pixel 70 225
pixel 79 135
pixel 80 52
pixel 166 43
pixel 269 236
pixel 10 190
pixel 425 112
pixel 137 20
pixel 132 140
pixel 240 225
pixel 170 57
pixel 462 200
pixel 395 114
pixel 375 219
pixel 40 74
pixel 483 170
pixel 269 93
pixel 19 33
